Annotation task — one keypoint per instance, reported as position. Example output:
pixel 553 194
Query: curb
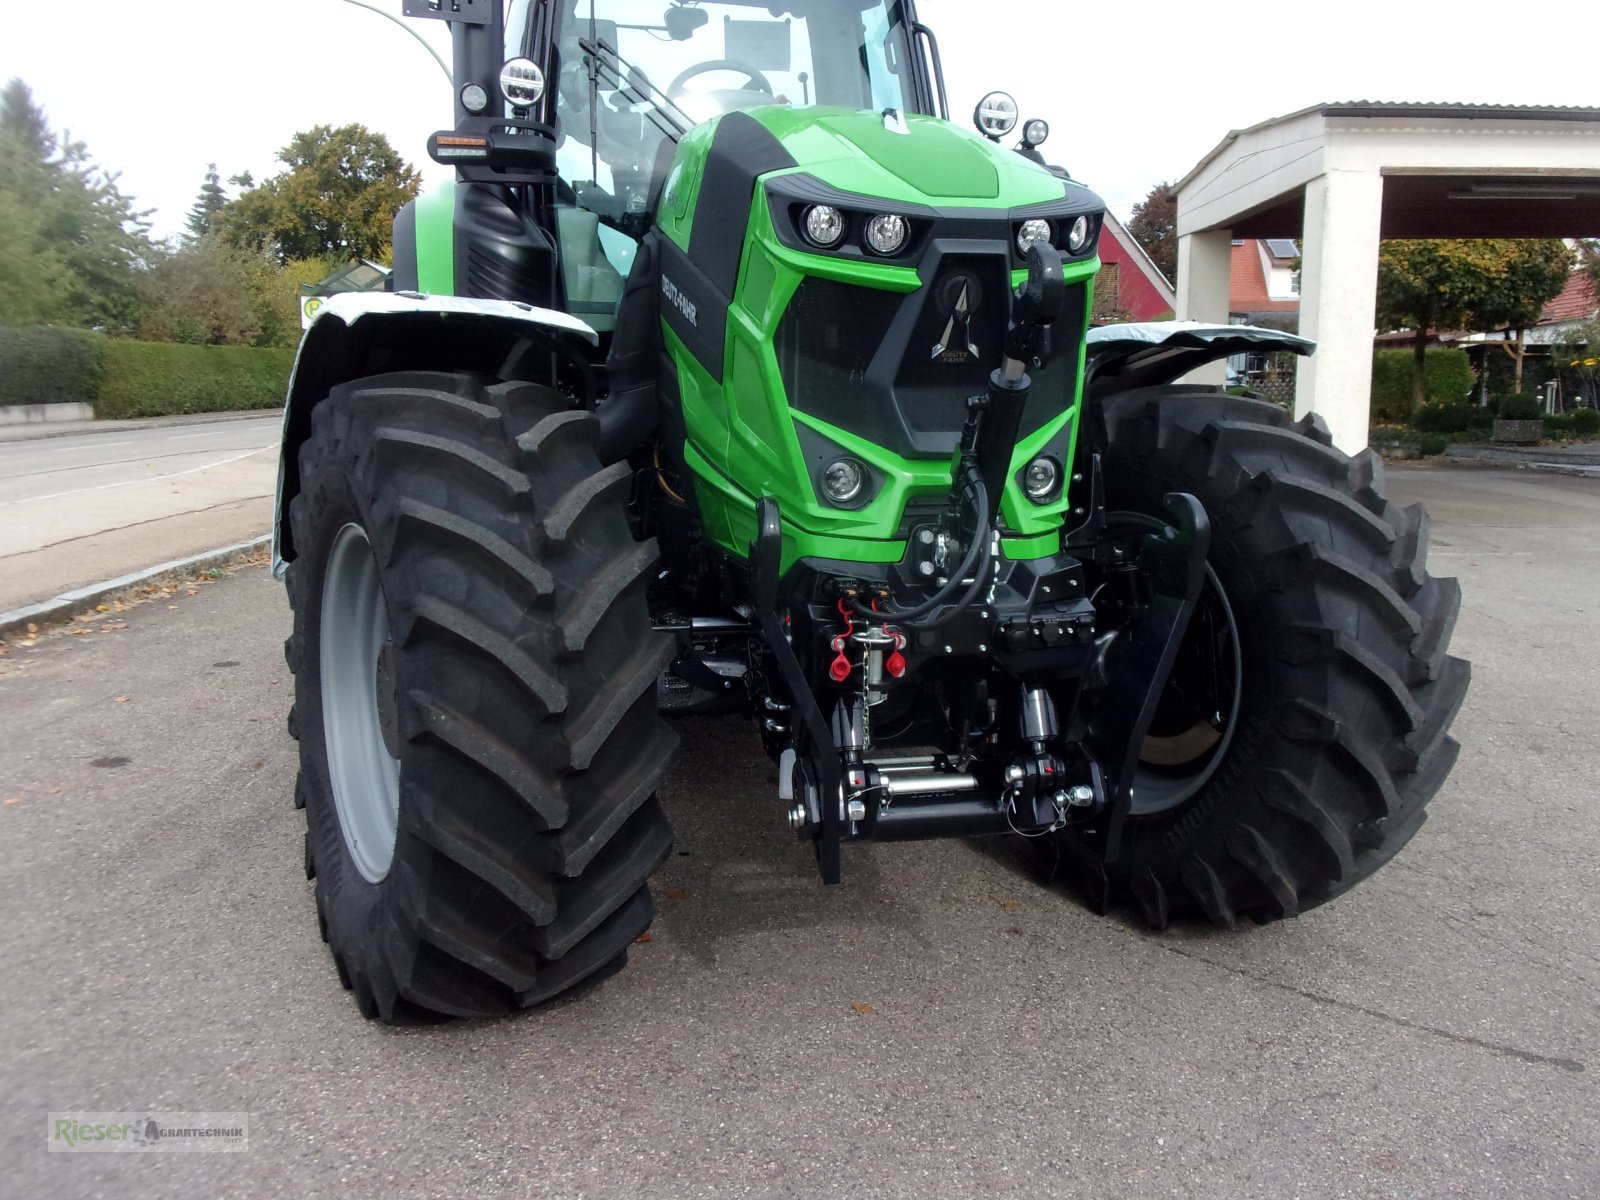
pixel 1565 458
pixel 33 432
pixel 63 605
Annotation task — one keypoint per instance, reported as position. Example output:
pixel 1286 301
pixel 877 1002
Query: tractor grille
pixel 897 369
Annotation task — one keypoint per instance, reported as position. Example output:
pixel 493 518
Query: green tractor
pixel 732 373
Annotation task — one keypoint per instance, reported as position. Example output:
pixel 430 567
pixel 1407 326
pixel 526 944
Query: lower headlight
pixel 1031 234
pixel 1078 236
pixel 842 480
pixel 886 233
pixel 1040 479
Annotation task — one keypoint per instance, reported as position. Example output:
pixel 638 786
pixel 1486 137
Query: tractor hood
pixel 910 158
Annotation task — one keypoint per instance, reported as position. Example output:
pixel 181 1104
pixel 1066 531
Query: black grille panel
pixel 897 369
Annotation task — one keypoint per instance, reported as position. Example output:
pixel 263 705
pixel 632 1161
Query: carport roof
pixel 1436 201
pixel 1417 109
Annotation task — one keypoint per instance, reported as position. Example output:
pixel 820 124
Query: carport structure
pixel 1341 177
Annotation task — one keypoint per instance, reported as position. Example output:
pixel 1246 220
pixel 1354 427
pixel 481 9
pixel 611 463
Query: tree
pixel 1535 271
pixel 1154 226
pixel 1474 284
pixel 71 239
pixel 208 204
pixel 198 293
pixel 336 198
pixel 1589 260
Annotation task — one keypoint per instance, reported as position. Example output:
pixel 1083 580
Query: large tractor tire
pixel 1304 729
pixel 474 695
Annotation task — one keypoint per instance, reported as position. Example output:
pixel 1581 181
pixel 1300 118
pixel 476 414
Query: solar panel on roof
pixel 1282 248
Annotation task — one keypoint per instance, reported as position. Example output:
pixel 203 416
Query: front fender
pixel 1120 358
pixel 356 334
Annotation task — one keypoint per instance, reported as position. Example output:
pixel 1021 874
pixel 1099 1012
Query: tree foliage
pixel 335 199
pixel 72 241
pixel 198 293
pixel 208 292
pixel 1154 226
pixel 1476 284
pixel 211 200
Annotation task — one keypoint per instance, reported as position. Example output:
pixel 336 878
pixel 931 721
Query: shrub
pixel 1558 426
pixel 1585 422
pixel 1446 379
pixel 1429 444
pixel 1443 418
pixel 45 365
pixel 154 379
pixel 1520 408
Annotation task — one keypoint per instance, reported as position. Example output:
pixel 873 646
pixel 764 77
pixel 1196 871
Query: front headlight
pixel 824 225
pixel 1040 479
pixel 886 233
pixel 1031 234
pixel 842 480
pixel 1078 236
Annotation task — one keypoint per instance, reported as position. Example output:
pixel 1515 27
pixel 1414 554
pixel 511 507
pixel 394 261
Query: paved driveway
pixel 1435 1033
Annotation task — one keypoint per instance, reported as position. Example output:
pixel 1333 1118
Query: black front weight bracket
pixel 1139 662
pixel 813 744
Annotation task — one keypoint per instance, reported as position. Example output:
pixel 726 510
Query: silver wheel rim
pixel 364 774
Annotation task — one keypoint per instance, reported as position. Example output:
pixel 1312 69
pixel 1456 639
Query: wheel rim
pixel 358 702
pixel 1198 711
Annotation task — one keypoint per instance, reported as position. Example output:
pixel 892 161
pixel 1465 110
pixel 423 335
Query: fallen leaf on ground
pixel 863 1008
pixel 52 791
pixel 10 800
pixel 643 937
pixel 121 699
pixel 102 608
pixel 675 893
pixel 1011 905
pixel 107 628
pixel 32 628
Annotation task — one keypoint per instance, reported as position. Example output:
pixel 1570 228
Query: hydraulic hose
pixel 977 551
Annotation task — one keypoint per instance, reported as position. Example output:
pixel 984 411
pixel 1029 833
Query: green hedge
pixel 45 365
pixel 1446 379
pixel 157 379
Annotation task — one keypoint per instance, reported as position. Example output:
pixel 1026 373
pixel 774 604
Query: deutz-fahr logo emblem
pixel 958 295
pixel 679 301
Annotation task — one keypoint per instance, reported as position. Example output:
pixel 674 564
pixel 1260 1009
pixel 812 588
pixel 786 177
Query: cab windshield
pixel 633 76
pixel 708 57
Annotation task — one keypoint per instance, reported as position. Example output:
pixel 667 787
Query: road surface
pixel 1433 1034
pixel 80 508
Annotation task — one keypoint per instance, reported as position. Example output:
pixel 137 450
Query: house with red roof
pixel 1264 282
pixel 1130 287
pixel 1578 303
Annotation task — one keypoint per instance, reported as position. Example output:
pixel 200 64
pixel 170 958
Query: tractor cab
pixel 629 78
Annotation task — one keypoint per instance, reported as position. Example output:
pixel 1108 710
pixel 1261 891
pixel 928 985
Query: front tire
pixel 474 694
pixel 1333 736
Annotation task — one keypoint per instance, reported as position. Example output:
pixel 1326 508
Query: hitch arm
pixel 813 741
pixel 1139 661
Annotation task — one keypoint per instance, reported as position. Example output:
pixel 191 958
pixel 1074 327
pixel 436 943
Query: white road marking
pixel 90 446
pixel 100 487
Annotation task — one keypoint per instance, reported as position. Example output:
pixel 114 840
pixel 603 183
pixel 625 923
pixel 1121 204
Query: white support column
pixel 1205 267
pixel 1338 293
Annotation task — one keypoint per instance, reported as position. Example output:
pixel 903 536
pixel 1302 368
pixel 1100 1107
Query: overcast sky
pixel 1134 93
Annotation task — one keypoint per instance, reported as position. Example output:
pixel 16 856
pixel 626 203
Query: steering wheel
pixel 758 81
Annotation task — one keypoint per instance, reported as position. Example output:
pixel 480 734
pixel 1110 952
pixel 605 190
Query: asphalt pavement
pixel 938 1026
pixel 81 507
